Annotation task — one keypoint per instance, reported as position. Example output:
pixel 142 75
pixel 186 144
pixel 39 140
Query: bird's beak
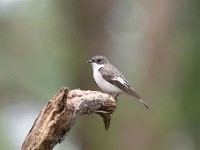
pixel 90 61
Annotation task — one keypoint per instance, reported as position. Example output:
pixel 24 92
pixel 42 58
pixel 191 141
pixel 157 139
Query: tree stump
pixel 60 114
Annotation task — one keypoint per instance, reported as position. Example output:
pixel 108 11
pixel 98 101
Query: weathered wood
pixel 59 115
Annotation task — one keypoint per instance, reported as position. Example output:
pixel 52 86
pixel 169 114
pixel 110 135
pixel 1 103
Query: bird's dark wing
pixel 113 76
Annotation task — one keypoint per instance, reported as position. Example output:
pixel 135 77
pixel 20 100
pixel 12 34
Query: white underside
pixel 102 83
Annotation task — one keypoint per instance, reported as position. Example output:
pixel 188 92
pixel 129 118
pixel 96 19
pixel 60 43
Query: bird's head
pixel 99 60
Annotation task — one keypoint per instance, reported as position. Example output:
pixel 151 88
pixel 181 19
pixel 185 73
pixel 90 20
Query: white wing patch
pixel 121 80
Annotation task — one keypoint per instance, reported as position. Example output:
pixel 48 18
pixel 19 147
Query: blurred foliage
pixel 44 45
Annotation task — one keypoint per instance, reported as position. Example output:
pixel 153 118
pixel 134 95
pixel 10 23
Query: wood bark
pixel 59 115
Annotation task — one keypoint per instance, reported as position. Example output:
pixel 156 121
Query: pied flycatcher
pixel 109 79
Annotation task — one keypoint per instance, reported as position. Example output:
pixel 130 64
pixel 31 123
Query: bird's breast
pixel 105 85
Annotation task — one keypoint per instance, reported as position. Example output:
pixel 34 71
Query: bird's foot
pixel 116 96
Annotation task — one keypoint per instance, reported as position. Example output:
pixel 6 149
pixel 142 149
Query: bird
pixel 110 79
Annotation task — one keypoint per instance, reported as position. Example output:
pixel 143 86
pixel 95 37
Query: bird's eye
pixel 98 60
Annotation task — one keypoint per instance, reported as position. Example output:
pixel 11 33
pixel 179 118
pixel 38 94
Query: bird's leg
pixel 116 96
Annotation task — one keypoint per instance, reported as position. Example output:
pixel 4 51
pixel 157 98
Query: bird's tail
pixel 144 103
pixel 132 92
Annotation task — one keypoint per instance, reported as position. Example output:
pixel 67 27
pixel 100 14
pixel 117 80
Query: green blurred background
pixel 44 44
